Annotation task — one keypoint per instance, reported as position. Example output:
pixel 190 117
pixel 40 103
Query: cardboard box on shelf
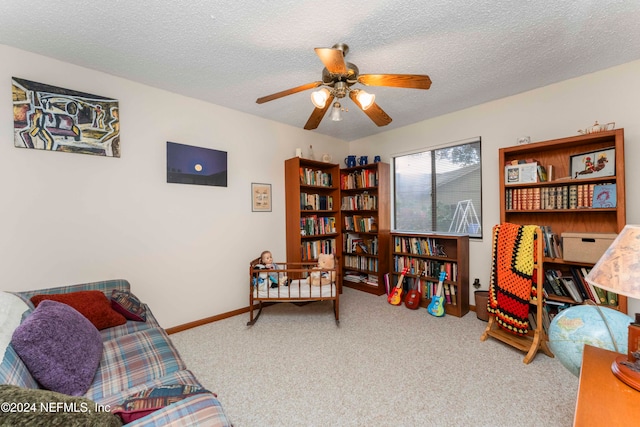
pixel 585 247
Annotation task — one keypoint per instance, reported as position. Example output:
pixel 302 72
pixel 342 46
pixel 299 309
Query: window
pixel 439 190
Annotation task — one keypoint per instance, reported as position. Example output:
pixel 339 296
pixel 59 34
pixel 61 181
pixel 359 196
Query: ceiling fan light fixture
pixel 336 115
pixel 365 99
pixel 319 97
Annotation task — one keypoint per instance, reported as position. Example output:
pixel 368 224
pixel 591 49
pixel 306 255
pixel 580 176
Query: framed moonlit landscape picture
pixel 187 164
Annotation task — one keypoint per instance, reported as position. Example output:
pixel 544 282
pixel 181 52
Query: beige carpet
pixel 383 366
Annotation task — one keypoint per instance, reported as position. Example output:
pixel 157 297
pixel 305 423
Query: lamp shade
pixel 319 97
pixel 618 270
pixel 336 115
pixel 365 99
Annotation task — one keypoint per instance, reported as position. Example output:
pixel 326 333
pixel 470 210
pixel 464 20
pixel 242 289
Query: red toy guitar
pixel 412 300
pixel 395 297
pixel 436 306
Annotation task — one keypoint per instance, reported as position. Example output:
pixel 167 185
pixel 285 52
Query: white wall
pixel 72 218
pixel 554 111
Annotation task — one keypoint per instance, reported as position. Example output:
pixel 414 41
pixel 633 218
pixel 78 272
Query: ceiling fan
pixel 337 78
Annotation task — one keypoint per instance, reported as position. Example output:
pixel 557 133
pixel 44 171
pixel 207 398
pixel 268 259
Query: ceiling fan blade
pixel 288 92
pixel 374 112
pixel 318 114
pixel 411 81
pixel 333 59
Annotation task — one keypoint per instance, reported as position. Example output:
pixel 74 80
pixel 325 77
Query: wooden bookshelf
pixel 365 223
pixel 427 252
pixel 312 201
pixel 562 217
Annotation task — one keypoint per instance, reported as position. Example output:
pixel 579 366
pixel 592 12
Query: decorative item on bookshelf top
pixel 596 127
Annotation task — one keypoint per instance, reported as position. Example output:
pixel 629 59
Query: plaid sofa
pixel 136 356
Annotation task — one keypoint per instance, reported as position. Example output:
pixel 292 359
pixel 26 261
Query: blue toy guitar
pixel 436 306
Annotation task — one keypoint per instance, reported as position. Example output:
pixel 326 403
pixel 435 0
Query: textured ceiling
pixel 230 52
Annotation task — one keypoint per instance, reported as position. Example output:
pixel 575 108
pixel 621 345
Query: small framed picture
pixel 593 164
pixel 260 197
pixel 523 173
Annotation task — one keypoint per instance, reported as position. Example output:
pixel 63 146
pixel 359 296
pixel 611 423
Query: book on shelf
pixel 454 300
pixel 599 293
pixel 582 285
pixel 386 283
pixel 553 283
pixel 550 173
pixel 542 173
pixel 552 242
pixel 604 196
pixel 612 298
pixel 447 293
pixel 572 289
pixel 319 178
pixel 354 276
pixel 359 179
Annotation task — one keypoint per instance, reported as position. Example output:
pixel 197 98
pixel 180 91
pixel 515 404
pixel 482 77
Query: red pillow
pixel 94 305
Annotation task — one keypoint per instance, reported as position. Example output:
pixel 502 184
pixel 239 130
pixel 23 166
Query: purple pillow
pixel 60 347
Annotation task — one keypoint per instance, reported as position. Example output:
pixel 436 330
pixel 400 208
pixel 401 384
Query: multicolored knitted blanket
pixel 512 276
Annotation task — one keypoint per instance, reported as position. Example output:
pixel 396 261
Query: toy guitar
pixel 436 306
pixel 412 299
pixel 395 297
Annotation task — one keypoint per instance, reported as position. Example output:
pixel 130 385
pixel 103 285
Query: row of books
pixel 314 226
pixel 573 285
pixel 357 277
pixel 427 267
pixel 573 196
pixel 548 312
pixel 354 243
pixel 360 223
pixel 310 250
pixel 361 262
pixel 315 177
pixel 316 202
pixel 364 178
pixel 364 201
pixel 418 246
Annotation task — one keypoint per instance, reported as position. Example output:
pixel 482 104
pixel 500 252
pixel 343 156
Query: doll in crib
pixel 273 279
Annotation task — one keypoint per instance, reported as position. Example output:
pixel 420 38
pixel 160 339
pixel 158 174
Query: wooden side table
pixel 604 400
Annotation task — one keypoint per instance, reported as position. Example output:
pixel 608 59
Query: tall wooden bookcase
pixel 365 224
pixel 558 153
pixel 312 201
pixel 425 253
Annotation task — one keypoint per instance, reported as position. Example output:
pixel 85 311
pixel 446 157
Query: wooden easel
pixel 537 338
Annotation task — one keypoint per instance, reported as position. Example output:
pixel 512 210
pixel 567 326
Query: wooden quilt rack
pixel 536 339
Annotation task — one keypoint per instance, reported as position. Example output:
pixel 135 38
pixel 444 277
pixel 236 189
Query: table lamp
pixel 618 270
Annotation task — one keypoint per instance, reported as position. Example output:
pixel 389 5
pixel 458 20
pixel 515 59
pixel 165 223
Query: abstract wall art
pixel 52 118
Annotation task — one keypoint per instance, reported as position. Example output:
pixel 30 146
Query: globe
pixel 576 326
